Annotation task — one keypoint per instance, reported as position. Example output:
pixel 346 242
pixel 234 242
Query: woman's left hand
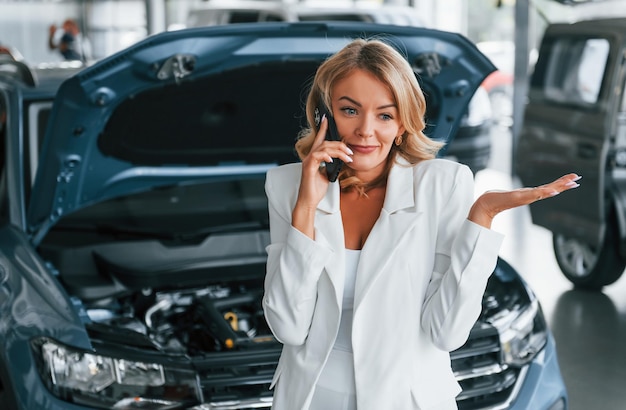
pixel 491 203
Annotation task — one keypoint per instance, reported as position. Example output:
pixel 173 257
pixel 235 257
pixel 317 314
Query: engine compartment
pixel 192 322
pixel 186 299
pixel 178 269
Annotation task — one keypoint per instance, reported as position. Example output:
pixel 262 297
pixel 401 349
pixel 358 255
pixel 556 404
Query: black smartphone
pixel 332 168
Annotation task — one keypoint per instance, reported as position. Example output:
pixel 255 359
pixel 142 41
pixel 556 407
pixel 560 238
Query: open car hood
pixel 215 101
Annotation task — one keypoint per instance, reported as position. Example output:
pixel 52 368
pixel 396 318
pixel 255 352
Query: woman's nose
pixel 365 127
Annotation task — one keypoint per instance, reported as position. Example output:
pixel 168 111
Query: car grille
pixel 477 366
pixel 238 380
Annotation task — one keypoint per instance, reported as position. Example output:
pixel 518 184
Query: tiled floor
pixel 589 328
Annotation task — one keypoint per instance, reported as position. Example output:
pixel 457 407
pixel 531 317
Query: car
pixel 135 223
pixel 217 12
pixel 472 143
pixel 575 121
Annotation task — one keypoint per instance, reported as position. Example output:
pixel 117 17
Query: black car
pixel 575 121
pixel 135 223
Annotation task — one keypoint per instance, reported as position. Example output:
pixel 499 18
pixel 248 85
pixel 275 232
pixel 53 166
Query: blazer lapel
pixel 329 231
pixel 396 219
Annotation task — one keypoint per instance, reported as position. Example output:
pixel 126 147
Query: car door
pixel 618 157
pixel 569 123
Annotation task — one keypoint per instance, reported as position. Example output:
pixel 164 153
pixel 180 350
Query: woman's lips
pixel 363 149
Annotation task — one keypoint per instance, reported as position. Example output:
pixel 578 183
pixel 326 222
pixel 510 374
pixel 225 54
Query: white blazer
pixel 420 281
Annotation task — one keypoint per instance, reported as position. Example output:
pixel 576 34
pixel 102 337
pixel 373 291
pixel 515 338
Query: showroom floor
pixel 589 328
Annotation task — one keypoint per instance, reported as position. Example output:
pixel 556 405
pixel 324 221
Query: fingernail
pixel 572 184
pixel 350 151
pixel 577 178
pixel 323 117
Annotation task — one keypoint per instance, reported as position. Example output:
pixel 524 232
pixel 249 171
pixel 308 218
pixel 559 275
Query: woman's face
pixel 367 120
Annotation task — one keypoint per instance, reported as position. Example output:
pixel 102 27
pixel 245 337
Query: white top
pixel 338 373
pixel 344 337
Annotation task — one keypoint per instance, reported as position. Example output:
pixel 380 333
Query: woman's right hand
pixel 314 183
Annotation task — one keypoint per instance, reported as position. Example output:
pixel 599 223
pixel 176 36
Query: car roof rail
pixel 17 70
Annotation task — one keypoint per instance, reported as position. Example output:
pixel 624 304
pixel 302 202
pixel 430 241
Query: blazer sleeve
pixel 465 257
pixel 294 264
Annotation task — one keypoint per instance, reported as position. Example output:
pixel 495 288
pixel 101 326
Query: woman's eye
pixel 386 117
pixel 349 111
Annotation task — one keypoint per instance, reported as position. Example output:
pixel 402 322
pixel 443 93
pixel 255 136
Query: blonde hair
pixel 392 69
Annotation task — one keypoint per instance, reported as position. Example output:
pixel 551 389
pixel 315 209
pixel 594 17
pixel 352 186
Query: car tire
pixel 590 267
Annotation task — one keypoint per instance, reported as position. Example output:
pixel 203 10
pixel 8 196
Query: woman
pixel 373 280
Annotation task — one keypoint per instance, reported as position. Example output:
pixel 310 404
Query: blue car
pixel 134 222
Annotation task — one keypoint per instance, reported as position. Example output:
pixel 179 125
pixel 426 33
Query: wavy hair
pixel 390 67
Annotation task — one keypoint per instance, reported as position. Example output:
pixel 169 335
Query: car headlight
pixel 106 382
pixel 523 333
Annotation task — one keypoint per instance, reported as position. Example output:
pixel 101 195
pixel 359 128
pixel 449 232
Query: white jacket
pixel 420 281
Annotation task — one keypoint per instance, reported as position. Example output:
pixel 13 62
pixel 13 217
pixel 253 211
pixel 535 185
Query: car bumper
pixel 543 387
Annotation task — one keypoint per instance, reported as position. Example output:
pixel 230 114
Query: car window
pixel 336 17
pixel 274 17
pixel 33 128
pixel 38 115
pixel 620 134
pixel 3 185
pixel 574 70
pixel 245 16
pixel 623 104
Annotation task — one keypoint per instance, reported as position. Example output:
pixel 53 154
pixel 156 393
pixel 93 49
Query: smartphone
pixel 332 168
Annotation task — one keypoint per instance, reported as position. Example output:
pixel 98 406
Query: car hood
pixel 215 102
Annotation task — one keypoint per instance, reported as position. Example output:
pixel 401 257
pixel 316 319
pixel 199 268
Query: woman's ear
pixel 401 130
